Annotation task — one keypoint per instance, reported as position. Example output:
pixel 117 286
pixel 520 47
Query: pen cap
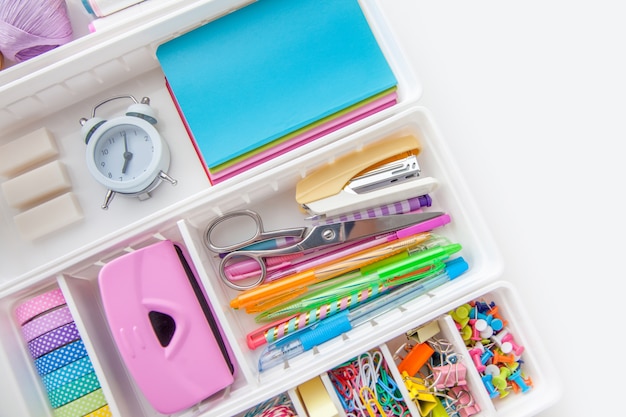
pixel 456 267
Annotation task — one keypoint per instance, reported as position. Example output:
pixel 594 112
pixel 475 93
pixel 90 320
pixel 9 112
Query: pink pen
pixel 314 259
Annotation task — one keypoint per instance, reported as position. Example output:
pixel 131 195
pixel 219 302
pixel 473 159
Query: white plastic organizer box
pixel 48 95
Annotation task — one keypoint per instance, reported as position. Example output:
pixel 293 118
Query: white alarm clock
pixel 126 154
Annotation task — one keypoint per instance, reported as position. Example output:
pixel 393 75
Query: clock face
pixel 124 152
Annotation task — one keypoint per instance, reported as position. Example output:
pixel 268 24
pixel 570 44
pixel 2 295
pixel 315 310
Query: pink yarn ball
pixel 32 27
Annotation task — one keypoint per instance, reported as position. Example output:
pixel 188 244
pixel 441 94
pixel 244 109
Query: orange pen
pixel 273 293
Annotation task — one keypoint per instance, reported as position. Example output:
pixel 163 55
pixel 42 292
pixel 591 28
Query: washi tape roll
pixel 60 357
pixel 68 373
pixel 82 406
pixel 74 390
pixel 53 340
pixel 101 412
pixel 39 304
pixel 46 322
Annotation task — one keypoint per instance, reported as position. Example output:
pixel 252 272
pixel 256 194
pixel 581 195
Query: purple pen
pixel 399 207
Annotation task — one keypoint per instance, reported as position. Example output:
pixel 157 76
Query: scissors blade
pixel 359 229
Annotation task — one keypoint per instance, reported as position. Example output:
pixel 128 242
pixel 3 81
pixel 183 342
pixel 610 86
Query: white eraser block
pixel 36 186
pixel 26 152
pixel 49 217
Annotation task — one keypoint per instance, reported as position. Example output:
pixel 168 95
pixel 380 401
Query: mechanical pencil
pixel 322 331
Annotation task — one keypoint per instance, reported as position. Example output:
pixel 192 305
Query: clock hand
pixel 127 155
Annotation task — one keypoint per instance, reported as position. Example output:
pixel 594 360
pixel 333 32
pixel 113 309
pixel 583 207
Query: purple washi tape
pixel 52 340
pixel 46 322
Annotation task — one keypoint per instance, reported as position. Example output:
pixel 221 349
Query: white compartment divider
pixel 84 302
pixel 334 397
pixel 395 373
pixel 475 384
pixel 297 402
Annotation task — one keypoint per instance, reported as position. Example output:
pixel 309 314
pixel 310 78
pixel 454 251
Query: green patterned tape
pixel 74 390
pixel 82 406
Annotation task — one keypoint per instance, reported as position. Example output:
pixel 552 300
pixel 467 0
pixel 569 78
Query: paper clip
pixel 371 399
pixel 386 385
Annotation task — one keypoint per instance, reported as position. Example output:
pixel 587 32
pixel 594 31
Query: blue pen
pixel 324 330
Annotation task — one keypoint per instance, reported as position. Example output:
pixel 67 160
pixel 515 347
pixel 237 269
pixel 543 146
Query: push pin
pixel 497 338
pixel 487 382
pixel 500 358
pixel 500 381
pixel 516 377
pixel 484 358
pixel 476 354
pixel 518 350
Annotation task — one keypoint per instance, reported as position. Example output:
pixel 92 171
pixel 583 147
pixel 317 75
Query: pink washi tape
pixel 39 304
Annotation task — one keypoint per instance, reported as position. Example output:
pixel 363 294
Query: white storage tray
pixel 58 88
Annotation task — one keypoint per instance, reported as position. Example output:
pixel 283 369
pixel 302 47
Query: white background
pixel 531 97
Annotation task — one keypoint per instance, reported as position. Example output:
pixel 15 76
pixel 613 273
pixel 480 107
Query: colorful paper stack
pixel 60 356
pixel 273 76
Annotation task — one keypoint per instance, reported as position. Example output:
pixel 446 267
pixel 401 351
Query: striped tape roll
pixel 60 357
pixel 46 322
pixel 82 406
pixel 74 390
pixel 39 304
pixel 53 340
pixel 68 373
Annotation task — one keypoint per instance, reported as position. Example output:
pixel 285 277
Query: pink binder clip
pixel 447 376
pixel 466 405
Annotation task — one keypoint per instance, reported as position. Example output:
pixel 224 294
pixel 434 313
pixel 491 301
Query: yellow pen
pixel 273 293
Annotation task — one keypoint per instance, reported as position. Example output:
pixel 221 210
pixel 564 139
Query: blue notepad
pixel 270 68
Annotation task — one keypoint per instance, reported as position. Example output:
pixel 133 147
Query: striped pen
pixel 399 207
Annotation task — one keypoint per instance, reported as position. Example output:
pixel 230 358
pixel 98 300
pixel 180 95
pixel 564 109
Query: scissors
pixel 262 244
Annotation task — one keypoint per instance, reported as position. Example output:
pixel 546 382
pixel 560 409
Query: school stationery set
pixel 316 252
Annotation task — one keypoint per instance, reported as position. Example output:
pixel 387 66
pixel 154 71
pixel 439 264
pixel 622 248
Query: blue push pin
pixel 517 378
pixel 488 382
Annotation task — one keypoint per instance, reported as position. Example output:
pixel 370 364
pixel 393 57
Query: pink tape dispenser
pixel 164 328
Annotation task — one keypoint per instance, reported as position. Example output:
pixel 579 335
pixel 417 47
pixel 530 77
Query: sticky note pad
pixel 27 151
pixel 36 185
pixel 269 69
pixel 316 399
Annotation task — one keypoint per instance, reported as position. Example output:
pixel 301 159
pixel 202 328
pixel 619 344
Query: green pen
pixel 354 281
pixel 385 272
pixel 412 262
